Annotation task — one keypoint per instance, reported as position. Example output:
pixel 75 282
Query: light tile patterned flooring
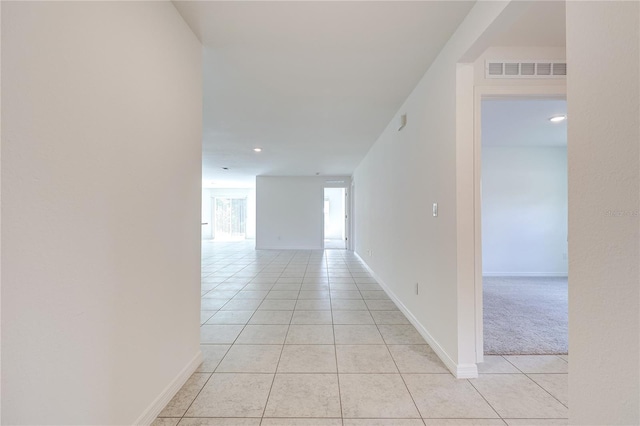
pixel 310 338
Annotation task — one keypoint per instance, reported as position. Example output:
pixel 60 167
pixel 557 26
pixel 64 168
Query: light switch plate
pixel 435 209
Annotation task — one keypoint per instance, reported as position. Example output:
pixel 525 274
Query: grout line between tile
pixel 399 373
pixel 264 410
pixel 319 270
pixel 542 387
pixel 486 400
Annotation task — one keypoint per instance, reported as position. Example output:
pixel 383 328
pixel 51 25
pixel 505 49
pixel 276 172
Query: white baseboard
pixel 461 371
pixel 150 414
pixel 525 274
pixel 288 248
pixel 466 371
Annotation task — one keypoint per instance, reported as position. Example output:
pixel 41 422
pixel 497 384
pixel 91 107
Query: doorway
pixel 524 208
pixel 335 218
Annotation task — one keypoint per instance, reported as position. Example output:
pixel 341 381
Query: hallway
pixel 309 338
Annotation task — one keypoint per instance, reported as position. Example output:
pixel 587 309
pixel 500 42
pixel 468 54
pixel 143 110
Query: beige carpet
pixel 525 315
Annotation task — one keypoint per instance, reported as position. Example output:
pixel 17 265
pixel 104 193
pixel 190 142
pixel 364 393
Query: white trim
pixel 525 274
pixel 347 219
pixel 290 248
pixel 467 312
pixel 461 371
pixel 467 371
pixel 351 243
pixel 149 415
pixel 347 211
pixel 322 224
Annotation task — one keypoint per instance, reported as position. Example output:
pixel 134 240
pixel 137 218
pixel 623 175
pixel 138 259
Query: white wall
pixel 207 208
pixel 603 101
pixel 289 211
pixel 524 210
pixel 101 127
pixel 397 182
pixel 0 227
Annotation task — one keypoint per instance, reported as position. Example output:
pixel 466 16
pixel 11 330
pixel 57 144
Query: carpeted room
pixel 524 227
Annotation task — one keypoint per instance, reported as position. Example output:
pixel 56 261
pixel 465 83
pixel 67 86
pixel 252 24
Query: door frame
pixel 483 93
pixel 348 223
pixel 351 242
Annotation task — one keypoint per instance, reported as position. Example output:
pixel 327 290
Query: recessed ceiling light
pixel 257 149
pixel 558 118
pixel 225 168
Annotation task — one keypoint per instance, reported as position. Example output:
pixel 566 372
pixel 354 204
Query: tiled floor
pixel 309 338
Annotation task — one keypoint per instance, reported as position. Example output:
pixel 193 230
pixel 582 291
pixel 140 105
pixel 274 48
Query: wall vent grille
pixel 525 69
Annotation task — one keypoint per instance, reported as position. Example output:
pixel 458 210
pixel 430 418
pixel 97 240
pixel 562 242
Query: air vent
pixel 525 69
pixel 495 68
pixel 559 69
pixel 528 68
pixel 543 68
pixel 511 68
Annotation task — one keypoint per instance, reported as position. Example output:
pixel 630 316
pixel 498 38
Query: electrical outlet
pixel 369 252
pixel 435 209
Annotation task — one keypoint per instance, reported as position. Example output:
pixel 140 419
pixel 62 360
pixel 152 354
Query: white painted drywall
pixel 524 210
pixel 208 194
pixel 101 160
pixel 207 215
pixel 289 211
pixel 397 182
pixel 0 225
pixel 603 97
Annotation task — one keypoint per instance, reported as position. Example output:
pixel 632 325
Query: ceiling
pixel 542 24
pixel 523 122
pixel 311 83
